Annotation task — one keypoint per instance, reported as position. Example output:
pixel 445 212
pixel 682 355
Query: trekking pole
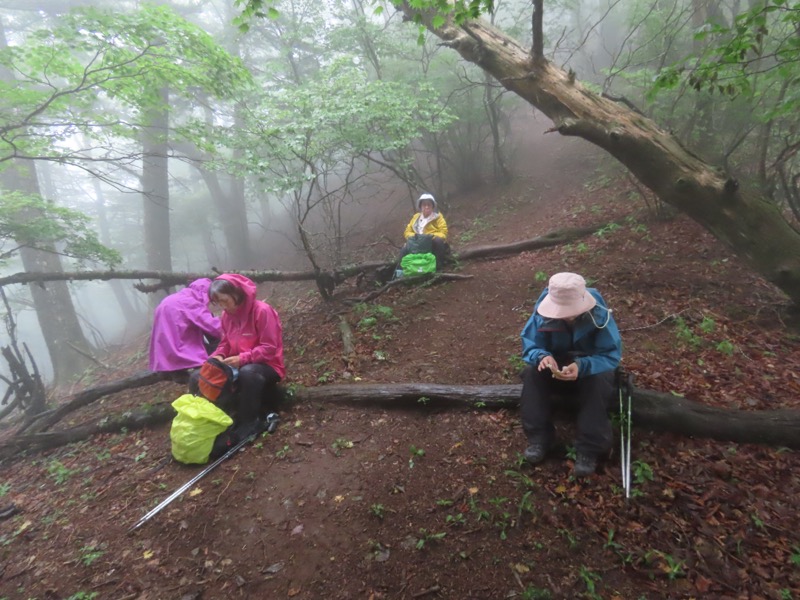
pixel 272 424
pixel 625 437
pixel 622 443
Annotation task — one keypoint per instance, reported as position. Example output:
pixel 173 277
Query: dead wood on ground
pixel 652 410
pixel 45 420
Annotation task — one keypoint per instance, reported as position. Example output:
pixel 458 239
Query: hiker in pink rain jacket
pixel 180 323
pixel 252 342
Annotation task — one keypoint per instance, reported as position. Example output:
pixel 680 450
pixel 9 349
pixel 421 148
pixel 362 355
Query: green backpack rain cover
pixel 195 427
pixel 414 264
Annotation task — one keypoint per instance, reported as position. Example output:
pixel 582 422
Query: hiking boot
pixel 585 465
pixel 245 430
pixel 235 434
pixel 222 443
pixel 535 453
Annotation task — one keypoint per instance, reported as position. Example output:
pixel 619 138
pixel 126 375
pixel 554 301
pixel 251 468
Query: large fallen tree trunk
pixel 651 410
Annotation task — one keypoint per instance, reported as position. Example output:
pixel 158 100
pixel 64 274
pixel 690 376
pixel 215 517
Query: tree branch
pixel 537 18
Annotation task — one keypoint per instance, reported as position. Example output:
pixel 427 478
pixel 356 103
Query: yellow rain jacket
pixel 437 227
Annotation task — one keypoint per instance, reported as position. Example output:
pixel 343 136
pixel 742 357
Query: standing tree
pixel 26 225
pixel 100 77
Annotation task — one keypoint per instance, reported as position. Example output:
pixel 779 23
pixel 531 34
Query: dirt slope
pixel 351 502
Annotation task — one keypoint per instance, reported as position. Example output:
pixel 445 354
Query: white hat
pixel 426 197
pixel 566 297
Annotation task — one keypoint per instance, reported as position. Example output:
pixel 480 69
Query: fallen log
pixel 128 421
pixel 423 279
pixel 167 279
pixel 45 420
pixel 652 410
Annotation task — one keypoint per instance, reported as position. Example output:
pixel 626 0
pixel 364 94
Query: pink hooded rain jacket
pixel 254 331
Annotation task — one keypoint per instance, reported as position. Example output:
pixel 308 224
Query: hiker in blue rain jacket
pixel 571 346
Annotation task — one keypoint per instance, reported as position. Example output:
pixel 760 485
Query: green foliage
pixel 455 520
pixel 520 479
pixel 516 362
pixel 29 220
pixel 58 472
pixel 122 58
pixel 572 541
pixel 762 40
pixel 415 453
pixel 300 133
pixel 534 593
pixel 606 229
pixel 477 226
pixel 4 489
pixel 590 579
pixel 707 325
pixel 642 472
pixel 669 565
pixel 90 553
pixel 340 444
pixel 426 536
pixel 459 10
pixel 726 347
pixel 685 334
pixel 379 510
pixel 83 596
pixel 367 322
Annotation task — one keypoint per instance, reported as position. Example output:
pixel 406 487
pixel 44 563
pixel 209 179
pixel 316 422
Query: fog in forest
pixel 164 137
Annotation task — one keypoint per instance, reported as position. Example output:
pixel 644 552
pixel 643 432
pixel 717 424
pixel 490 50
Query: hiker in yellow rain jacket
pixel 427 231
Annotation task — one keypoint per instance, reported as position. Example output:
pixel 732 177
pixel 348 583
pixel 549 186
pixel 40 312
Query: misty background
pixel 162 136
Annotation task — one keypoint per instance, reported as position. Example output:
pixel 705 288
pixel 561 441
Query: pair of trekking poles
pixel 625 388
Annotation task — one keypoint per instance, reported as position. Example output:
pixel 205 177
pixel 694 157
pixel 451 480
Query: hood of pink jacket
pixel 247 286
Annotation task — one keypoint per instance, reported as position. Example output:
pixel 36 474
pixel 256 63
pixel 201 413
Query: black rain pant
pixel 593 394
pixel 256 387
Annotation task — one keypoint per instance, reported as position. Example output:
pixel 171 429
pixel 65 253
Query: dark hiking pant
pixel 593 394
pixel 439 248
pixel 256 386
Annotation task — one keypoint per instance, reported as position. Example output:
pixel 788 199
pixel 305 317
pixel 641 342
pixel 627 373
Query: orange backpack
pixel 216 380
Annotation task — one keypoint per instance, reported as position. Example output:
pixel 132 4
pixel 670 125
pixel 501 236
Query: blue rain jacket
pixel 593 338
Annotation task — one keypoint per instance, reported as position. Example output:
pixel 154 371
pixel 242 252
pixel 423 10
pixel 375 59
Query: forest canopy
pixel 191 135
